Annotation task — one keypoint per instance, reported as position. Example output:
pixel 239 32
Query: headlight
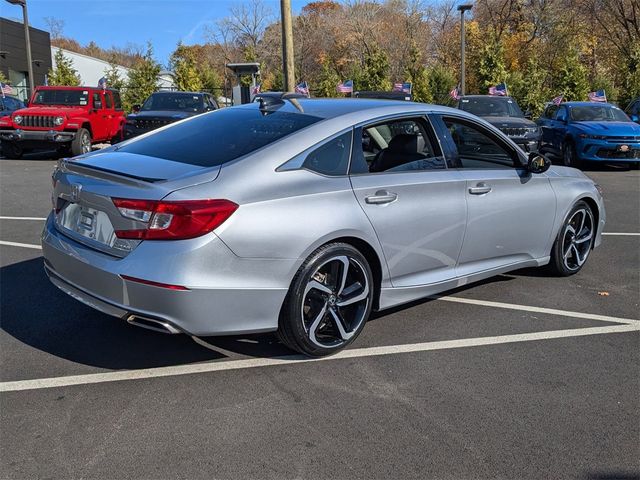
pixel 593 137
pixel 58 120
pixel 533 129
pixel 17 119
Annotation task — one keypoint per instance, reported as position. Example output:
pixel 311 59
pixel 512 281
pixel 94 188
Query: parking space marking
pixel 529 308
pixel 22 218
pixel 621 234
pixel 93 378
pixel 23 245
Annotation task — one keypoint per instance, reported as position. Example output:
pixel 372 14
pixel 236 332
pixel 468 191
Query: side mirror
pixel 136 108
pixel 97 104
pixel 635 118
pixel 538 163
pixel 528 115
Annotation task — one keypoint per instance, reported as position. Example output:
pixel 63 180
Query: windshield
pixel 218 137
pixel 598 113
pixel 491 107
pixel 61 97
pixel 174 101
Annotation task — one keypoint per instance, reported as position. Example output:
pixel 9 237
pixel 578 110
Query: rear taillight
pixel 178 220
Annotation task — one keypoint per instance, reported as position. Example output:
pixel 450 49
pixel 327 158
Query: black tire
pixel 573 244
pixel 117 138
pixel 12 150
pixel 570 156
pixel 64 151
pixel 312 321
pixel 81 143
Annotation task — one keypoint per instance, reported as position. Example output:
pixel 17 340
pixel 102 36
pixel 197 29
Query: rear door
pixel 99 117
pixel 415 204
pixel 510 212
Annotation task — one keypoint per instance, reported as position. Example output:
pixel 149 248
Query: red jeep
pixel 68 119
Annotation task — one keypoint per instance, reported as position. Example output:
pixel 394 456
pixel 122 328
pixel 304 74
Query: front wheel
pixel 570 156
pixel 573 243
pixel 329 301
pixel 81 142
pixel 12 150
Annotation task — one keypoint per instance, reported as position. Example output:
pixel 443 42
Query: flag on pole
pixel 558 100
pixel 46 80
pixel 302 88
pixel 6 89
pixel 455 93
pixel 402 87
pixel 102 83
pixel 500 89
pixel 256 89
pixel 345 87
pixel 597 96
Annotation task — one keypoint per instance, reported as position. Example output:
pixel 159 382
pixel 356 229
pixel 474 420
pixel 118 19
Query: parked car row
pixel 72 119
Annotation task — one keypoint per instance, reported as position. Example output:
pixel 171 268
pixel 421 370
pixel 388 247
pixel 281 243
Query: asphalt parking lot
pixel 521 376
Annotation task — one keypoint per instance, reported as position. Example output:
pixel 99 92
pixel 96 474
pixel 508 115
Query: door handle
pixel 381 197
pixel 480 189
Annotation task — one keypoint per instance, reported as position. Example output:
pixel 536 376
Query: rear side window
pixel 332 158
pixel 218 137
pixel 117 104
pixel 107 100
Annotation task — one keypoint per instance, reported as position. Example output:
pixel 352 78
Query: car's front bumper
pixel 595 150
pixel 225 294
pixel 36 136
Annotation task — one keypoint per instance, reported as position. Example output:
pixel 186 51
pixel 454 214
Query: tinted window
pixel 107 100
pixel 561 114
pixel 491 107
pixel 97 101
pixel 219 137
pixel 332 158
pixel 550 111
pixel 597 113
pixel 477 148
pixel 11 103
pixel 61 97
pixel 174 101
pixel 117 103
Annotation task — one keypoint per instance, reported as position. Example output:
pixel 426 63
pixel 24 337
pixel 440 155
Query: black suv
pixel 505 114
pixel 163 108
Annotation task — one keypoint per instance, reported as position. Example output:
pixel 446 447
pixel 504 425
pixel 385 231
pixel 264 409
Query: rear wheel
pixel 81 142
pixel 570 156
pixel 12 150
pixel 573 243
pixel 329 301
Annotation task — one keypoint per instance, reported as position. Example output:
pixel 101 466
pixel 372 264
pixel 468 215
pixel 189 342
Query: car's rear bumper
pixel 224 294
pixel 36 136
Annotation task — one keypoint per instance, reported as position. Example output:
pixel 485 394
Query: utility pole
pixel 287 46
pixel 25 19
pixel 462 9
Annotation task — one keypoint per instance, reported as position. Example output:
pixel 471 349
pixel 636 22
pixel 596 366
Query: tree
pixel 441 82
pixel 63 72
pixel 417 74
pixel 571 78
pixel 375 72
pixel 184 67
pixel 56 26
pixel 112 75
pixel 491 65
pixel 327 80
pixel 142 79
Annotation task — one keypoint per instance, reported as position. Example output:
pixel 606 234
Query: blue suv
pixel 579 132
pixel 9 104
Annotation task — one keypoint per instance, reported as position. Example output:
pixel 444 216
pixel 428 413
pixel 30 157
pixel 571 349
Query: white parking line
pixel 22 218
pixel 622 234
pixel 94 378
pixel 529 308
pixel 23 245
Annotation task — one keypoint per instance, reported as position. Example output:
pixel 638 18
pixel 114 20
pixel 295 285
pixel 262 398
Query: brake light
pixel 173 220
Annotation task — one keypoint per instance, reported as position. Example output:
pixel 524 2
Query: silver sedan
pixel 302 216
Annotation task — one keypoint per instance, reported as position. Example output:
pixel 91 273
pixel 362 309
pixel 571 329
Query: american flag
pixel 302 88
pixel 255 90
pixel 345 87
pixel 500 89
pixel 597 96
pixel 402 87
pixel 102 83
pixel 558 100
pixel 455 93
pixel 6 89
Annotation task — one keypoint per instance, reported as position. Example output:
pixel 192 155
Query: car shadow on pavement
pixel 37 314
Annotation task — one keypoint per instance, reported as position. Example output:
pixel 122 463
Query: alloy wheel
pixel 335 301
pixel 577 239
pixel 86 142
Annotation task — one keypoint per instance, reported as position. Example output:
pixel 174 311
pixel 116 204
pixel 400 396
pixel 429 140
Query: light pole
pixel 25 19
pixel 462 8
pixel 287 46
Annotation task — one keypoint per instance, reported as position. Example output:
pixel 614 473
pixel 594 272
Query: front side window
pixel 477 147
pixel 396 146
pixel 97 102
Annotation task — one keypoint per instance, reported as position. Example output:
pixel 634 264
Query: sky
pixel 119 22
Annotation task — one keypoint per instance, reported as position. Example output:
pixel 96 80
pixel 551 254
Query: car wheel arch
pixel 593 204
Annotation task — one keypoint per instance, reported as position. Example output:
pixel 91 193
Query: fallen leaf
pixel 603 294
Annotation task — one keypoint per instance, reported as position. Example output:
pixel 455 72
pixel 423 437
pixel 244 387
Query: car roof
pixel 327 108
pixel 488 96
pixel 176 92
pixel 587 104
pixel 62 87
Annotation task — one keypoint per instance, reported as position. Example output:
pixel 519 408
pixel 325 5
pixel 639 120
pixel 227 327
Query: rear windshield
pixel 174 101
pixel 491 107
pixel 598 113
pixel 218 137
pixel 61 97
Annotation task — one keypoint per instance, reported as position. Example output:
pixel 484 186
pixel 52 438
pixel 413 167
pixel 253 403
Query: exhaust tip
pixel 152 324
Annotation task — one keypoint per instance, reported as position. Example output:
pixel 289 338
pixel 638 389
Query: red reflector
pixel 173 220
pixel 154 284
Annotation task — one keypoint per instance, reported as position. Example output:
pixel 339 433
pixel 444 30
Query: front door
pixel 416 206
pixel 510 211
